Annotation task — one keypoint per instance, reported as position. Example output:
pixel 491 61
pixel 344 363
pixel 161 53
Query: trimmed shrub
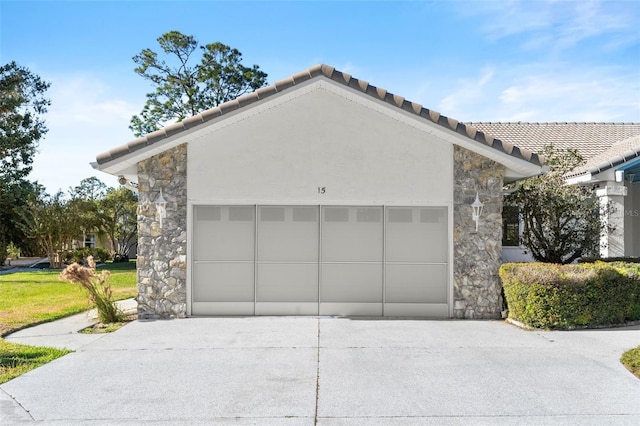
pixel 544 295
pixel 628 259
pixel 80 256
pixel 631 360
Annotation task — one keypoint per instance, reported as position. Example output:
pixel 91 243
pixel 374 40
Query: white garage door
pixel 327 260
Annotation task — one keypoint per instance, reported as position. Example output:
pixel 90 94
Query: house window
pixel 510 226
pixel 90 241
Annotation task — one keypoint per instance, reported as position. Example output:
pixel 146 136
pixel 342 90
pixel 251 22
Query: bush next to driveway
pixel 631 360
pixel 544 295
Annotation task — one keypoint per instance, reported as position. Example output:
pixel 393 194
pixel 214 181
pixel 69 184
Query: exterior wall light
pixel 161 207
pixel 477 207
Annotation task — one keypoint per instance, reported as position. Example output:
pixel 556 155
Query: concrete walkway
pixel 333 371
pixel 64 333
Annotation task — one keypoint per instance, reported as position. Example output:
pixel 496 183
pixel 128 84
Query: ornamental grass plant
pixel 98 288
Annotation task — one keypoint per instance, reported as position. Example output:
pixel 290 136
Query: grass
pixel 29 298
pixel 631 360
pixel 101 328
pixel 16 360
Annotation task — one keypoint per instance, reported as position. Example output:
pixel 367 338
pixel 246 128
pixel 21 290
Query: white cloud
pixel 87 116
pixel 558 25
pixel 585 95
pixel 85 100
pixel 469 91
pixel 545 93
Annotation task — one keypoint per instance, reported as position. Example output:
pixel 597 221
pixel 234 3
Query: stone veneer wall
pixel 162 264
pixel 477 292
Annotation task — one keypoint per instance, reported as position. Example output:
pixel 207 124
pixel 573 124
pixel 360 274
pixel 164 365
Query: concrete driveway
pixel 333 371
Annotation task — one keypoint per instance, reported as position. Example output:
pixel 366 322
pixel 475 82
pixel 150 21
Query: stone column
pixel 162 266
pixel 477 292
pixel 611 197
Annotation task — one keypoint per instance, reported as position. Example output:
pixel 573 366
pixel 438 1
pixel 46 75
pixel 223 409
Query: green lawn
pixel 29 298
pixel 16 360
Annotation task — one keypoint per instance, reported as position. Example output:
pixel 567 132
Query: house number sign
pixel 322 189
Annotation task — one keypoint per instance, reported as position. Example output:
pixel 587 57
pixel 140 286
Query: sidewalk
pixel 64 333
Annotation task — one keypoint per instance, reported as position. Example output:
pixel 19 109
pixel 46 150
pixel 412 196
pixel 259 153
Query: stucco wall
pixel 477 256
pixel 282 156
pixel 162 253
pixel 321 139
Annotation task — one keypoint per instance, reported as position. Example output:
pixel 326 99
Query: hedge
pixel 626 259
pixel 100 255
pixel 544 295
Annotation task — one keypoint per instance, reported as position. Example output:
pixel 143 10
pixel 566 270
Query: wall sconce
pixel 477 207
pixel 629 177
pixel 161 207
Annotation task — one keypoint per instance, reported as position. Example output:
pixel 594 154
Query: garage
pixel 319 195
pixel 320 260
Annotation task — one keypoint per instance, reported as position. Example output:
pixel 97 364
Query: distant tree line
pixel 33 222
pixel 57 224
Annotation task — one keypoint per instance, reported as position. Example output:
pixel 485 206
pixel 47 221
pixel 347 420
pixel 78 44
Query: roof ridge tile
pixel 301 76
pixel 283 84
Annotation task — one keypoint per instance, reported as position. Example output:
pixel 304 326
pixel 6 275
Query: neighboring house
pixel 320 194
pixel 612 154
pixel 103 242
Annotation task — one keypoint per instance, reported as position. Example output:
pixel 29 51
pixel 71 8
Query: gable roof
pixel 619 153
pixel 602 145
pixel 590 139
pixel 329 72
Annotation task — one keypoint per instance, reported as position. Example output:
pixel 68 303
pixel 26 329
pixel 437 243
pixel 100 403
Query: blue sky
pixel 529 60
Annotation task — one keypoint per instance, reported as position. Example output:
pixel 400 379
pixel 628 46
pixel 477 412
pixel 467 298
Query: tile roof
pixel 620 152
pixel 590 139
pixel 345 79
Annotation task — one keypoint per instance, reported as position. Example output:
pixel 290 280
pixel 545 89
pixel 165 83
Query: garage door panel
pixel 286 308
pixel 352 234
pixel 416 245
pixel 287 283
pixel 416 234
pixel 328 260
pixel 223 308
pixel 428 310
pixel 351 283
pixel 416 283
pixel 351 309
pixel 288 234
pixel 223 282
pixel 224 233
